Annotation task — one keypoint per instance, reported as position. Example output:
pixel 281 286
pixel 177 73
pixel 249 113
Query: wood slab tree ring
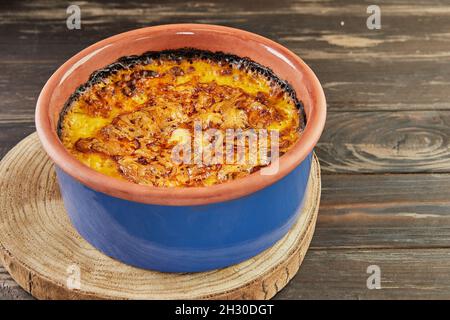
pixel 46 256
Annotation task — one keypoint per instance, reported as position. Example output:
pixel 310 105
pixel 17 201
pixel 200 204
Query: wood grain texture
pixel 395 211
pixel 32 217
pixel 405 274
pixel 384 151
pixel 381 142
pixel 359 68
pixel 376 88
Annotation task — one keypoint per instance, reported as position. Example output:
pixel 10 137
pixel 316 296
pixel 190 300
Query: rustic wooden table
pixel 384 153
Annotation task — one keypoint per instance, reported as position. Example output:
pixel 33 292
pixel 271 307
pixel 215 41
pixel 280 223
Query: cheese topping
pixel 126 121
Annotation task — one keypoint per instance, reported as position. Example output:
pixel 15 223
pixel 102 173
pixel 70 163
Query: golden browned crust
pixel 126 122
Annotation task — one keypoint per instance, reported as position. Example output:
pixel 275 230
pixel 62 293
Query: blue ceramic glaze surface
pixel 186 238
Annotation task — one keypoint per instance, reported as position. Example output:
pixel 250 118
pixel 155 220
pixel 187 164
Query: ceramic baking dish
pixel 182 229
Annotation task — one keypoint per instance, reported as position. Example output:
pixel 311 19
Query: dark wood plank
pixel 341 274
pixel 353 86
pixel 11 133
pixel 376 88
pixel 20 85
pixel 306 26
pixel 384 211
pixel 386 142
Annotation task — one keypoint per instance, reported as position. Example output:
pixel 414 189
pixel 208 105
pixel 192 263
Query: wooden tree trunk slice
pixel 43 252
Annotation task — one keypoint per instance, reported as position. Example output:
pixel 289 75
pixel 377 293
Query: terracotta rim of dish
pixel 181 196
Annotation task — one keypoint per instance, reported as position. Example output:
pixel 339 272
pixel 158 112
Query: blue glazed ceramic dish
pixel 186 238
pixel 183 229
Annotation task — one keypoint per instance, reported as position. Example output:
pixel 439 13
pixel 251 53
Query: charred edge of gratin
pixel 242 63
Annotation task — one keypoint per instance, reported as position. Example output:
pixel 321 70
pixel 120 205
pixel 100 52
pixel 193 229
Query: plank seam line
pixel 380 248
